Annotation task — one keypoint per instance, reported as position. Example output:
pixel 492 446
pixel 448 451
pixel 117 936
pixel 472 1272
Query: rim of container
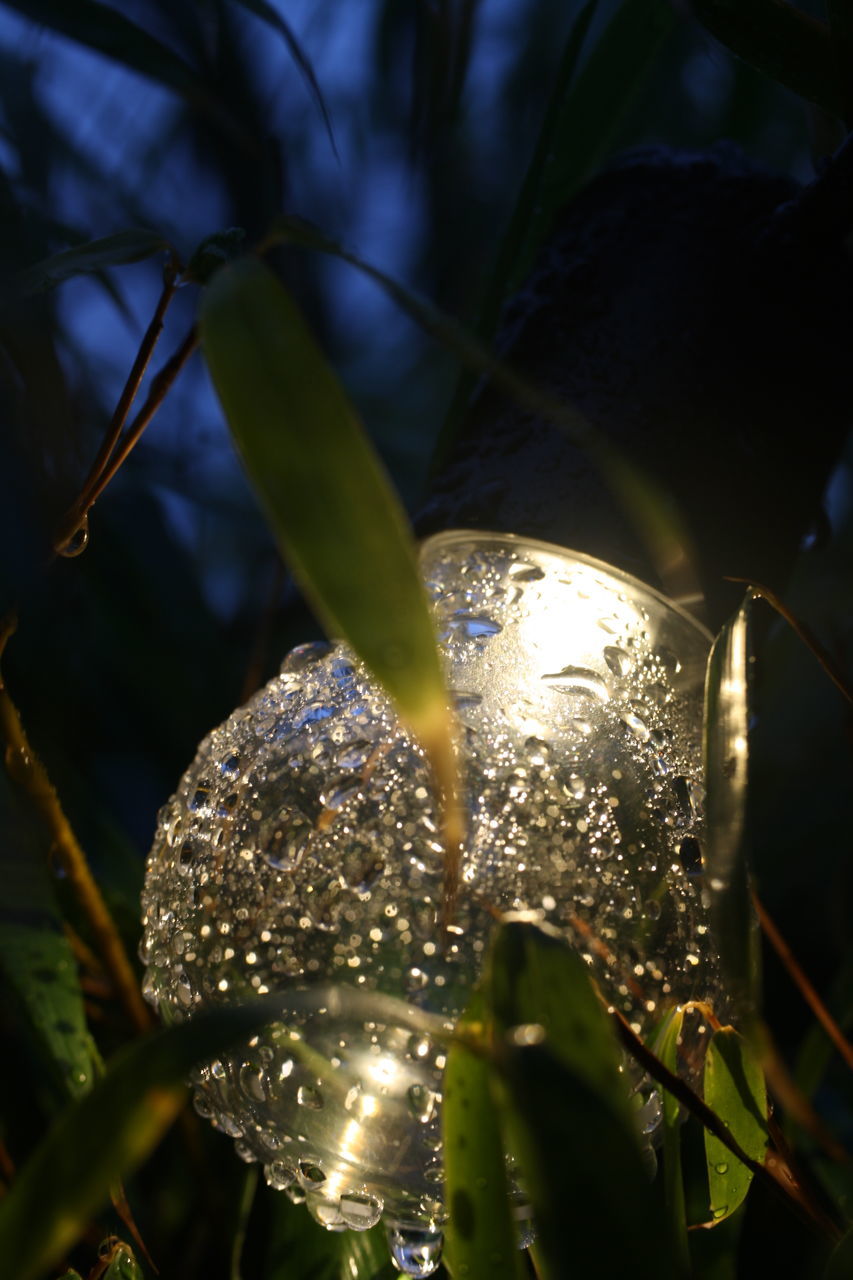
pixel 449 537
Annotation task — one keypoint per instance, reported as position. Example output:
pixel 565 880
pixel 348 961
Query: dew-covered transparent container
pixel 303 849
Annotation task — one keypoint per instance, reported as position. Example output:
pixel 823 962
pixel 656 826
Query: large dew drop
pixel 301 856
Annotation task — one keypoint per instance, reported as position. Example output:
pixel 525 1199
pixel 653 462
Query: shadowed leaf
pixel 112 251
pixel 779 39
pixel 338 522
pixel 726 778
pixel 100 1137
pixel 734 1089
pixel 664 1045
pixel 480 1237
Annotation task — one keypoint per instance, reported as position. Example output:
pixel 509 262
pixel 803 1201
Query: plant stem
pixel 775 1174
pixel 118 454
pixel 29 774
pixel 131 387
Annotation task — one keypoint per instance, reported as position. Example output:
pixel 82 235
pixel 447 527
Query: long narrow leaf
pixel 111 251
pixel 480 1237
pixel 726 776
pixel 264 10
pixel 339 524
pixel 782 41
pixel 734 1089
pixel 102 1136
pixel 665 1047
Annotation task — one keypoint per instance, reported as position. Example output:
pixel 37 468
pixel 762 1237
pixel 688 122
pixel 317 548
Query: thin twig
pixel 775 1174
pixel 801 630
pixel 29 774
pixel 160 386
pixel 803 984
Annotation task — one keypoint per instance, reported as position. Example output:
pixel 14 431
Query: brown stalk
pixel 75 516
pixel 774 1174
pixel 30 776
pixel 801 630
pixel 804 986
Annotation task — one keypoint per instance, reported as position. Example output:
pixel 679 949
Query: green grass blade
pixel 102 1136
pixel 480 1237
pixel 726 780
pixel 111 251
pixel 840 1265
pixel 734 1089
pixel 782 41
pixel 123 1265
pixel 337 520
pixel 664 1046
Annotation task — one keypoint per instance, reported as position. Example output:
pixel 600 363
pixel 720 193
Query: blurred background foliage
pixel 404 128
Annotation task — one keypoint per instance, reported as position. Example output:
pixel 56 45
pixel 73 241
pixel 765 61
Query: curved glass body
pixel 302 849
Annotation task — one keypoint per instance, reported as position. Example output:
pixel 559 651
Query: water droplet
pixel 422 1102
pixel 415 1250
pixel 637 725
pixel 280 1174
pixel 580 681
pixel 295 1193
pixel 526 1033
pixel 720 1212
pixel 524 572
pixel 465 701
pixel 537 750
pixel 244 1151
pixel 354 755
pixel 360 1212
pixel 419 1047
pixel 202 1104
pixel 473 626
pixel 78 541
pixel 325 1212
pixel 304 655
pixel 283 838
pixel 619 662
pixel 690 855
pixel 186 857
pixel 308 1096
pixel 252 1081
pixel 311 1173
pixel 722 1167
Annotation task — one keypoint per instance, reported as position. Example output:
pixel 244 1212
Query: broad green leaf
pixel 567 1112
pixel 107 31
pixel 726 779
pixel 596 1211
pixel 105 1134
pixel 480 1237
pixel 651 511
pixel 780 40
pixel 734 1089
pixel 339 524
pixel 664 1046
pixel 36 960
pixel 267 13
pixel 112 251
pixel 535 980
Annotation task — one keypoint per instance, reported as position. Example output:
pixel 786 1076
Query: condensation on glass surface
pixel 303 848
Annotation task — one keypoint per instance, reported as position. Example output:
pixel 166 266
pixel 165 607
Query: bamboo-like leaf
pixel 596 1211
pixel 37 963
pixel 339 524
pixel 665 1047
pixel 647 506
pixel 734 1089
pixel 111 251
pixel 780 40
pixel 100 1137
pixel 840 1265
pixel 480 1237
pixel 726 777
pixel 267 13
pixel 107 31
pixel 567 1113
pixel 536 979
pixel 122 1264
